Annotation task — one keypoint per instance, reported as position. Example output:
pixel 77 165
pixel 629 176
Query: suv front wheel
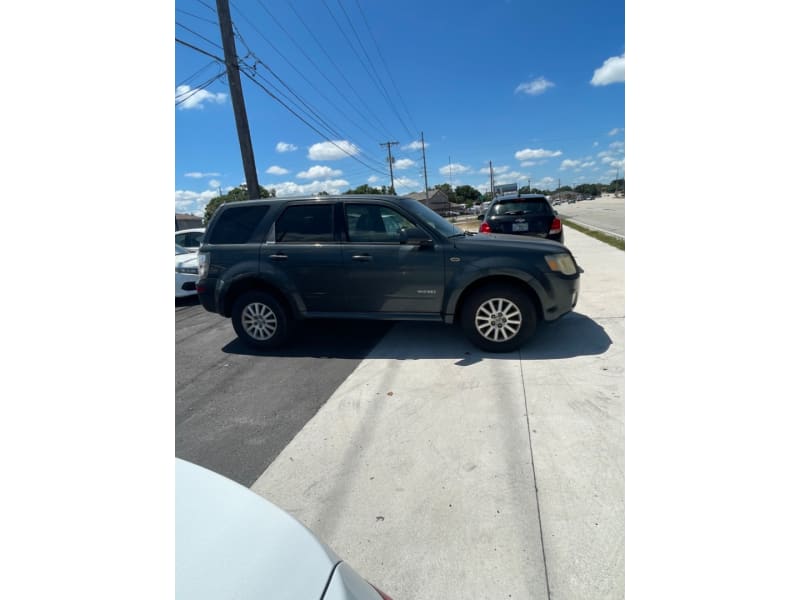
pixel 498 318
pixel 260 320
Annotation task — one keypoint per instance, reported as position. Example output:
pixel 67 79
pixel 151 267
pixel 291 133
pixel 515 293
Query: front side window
pixel 307 223
pixel 373 223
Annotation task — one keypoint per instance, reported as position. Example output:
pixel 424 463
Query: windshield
pixel 521 207
pixel 430 218
pixel 182 250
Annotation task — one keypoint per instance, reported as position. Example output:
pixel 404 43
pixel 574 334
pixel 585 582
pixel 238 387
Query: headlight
pixel 561 263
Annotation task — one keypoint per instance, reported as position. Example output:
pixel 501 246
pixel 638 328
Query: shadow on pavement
pixel 573 335
pixel 193 300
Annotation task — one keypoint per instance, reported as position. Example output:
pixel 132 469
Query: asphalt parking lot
pixel 434 469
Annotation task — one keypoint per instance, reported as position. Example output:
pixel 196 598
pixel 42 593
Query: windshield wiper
pixel 514 212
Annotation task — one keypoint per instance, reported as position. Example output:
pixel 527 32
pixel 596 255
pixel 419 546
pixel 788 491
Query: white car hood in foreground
pixel 232 543
pixel 186 260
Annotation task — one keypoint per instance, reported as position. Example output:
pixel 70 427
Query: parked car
pixel 190 238
pixel 186 272
pixel 525 215
pixel 267 263
pixel 232 543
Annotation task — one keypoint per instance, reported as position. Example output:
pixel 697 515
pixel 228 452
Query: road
pixel 235 408
pixel 605 214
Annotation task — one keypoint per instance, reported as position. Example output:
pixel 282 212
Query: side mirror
pixel 415 235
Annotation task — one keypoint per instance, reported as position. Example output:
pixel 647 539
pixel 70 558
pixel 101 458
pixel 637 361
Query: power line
pixel 309 82
pixel 358 56
pixel 196 16
pixel 388 70
pixel 353 156
pixel 198 35
pixel 200 50
pixel 374 70
pixel 311 112
pixel 322 73
pixel 189 94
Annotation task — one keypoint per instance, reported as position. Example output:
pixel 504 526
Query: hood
pixel 508 242
pixel 232 543
pixel 186 260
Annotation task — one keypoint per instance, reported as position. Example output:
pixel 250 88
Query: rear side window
pixel 237 225
pixel 522 207
pixel 305 223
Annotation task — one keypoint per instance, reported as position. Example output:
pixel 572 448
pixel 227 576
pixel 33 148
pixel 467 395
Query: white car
pixel 190 238
pixel 186 272
pixel 232 543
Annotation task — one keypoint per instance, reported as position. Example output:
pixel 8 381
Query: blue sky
pixel 537 88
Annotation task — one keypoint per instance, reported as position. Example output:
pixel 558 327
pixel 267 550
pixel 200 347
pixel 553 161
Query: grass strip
pixel 598 235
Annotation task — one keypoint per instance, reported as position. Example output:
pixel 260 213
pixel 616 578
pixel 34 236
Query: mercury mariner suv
pixel 267 263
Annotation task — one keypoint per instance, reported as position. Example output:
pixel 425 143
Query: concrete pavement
pixel 439 471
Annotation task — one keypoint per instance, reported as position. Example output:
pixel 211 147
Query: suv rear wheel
pixel 498 318
pixel 260 320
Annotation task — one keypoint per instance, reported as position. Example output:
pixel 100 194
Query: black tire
pixel 260 320
pixel 498 318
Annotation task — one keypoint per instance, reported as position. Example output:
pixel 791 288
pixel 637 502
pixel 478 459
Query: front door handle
pixel 362 257
pixel 280 256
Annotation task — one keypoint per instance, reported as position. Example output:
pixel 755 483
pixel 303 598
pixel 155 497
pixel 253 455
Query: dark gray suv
pixel 267 263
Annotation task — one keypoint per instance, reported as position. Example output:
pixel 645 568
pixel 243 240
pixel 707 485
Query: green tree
pixel 237 194
pixel 466 194
pixel 366 189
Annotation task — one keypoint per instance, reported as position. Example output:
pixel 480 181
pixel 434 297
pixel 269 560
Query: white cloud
pixel 276 170
pixel 194 98
pixel 529 154
pixel 617 145
pixel 405 183
pixel 198 175
pixel 454 168
pixel 404 163
pixel 546 182
pixel 415 145
pixel 587 164
pixel 497 170
pixel 535 87
pixel 290 188
pixel 569 164
pixel 319 172
pixel 214 183
pixel 285 147
pixel 373 179
pixel 529 163
pixel 193 203
pixel 612 71
pixel 332 150
pixel 616 130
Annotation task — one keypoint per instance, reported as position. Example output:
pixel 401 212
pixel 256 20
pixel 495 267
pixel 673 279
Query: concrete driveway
pixel 439 471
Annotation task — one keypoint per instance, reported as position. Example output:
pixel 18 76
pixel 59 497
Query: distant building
pixel 187 221
pixel 437 200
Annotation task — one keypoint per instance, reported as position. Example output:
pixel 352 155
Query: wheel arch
pixel 248 284
pixel 498 280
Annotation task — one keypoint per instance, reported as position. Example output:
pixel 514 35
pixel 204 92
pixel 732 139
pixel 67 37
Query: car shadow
pixel 573 335
pixel 192 300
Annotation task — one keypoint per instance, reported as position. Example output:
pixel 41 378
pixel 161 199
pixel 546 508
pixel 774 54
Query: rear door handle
pixel 280 256
pixel 362 257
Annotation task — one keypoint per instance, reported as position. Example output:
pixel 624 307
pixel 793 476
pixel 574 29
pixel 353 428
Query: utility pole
pixel 451 172
pixel 391 160
pixel 491 181
pixel 424 165
pixel 237 98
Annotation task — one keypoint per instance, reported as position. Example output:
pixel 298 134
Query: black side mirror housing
pixel 415 235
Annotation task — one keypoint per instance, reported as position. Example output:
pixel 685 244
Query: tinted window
pixel 372 223
pixel 237 224
pixel 522 207
pixel 306 223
